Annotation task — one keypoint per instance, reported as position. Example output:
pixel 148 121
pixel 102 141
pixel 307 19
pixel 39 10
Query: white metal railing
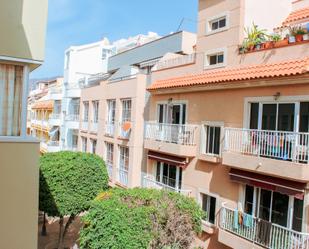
pixel 267 235
pixel 84 125
pixel 148 181
pixel 123 176
pixel 109 167
pixel 123 131
pixel 171 133
pixel 284 145
pixel 94 126
pixel 110 129
pixel 55 116
pixel 72 117
pixel 53 143
pixel 178 61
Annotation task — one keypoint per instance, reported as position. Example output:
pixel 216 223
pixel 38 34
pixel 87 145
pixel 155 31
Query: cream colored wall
pixel 19 181
pixel 23 28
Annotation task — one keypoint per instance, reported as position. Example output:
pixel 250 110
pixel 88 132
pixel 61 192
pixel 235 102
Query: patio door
pixel 172 114
pixel 169 175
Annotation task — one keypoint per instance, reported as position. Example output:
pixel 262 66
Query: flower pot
pixel 281 43
pixel 258 46
pixel 292 39
pixel 298 38
pixel 268 44
pixel 306 37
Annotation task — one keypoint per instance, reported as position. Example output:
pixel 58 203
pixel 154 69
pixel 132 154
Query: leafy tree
pixel 141 218
pixel 69 181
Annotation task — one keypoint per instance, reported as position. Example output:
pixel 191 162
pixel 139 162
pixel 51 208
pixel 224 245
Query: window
pixel 74 141
pixel 111 106
pixel 93 146
pixel 86 111
pixel 11 97
pixel 209 207
pixel 274 207
pixel 124 158
pixel 168 174
pixel 109 154
pixel 105 53
pixel 84 144
pixel 211 139
pixel 172 113
pixel 216 59
pixel 57 107
pixel 95 105
pixel 126 110
pixel 217 23
pixel 74 107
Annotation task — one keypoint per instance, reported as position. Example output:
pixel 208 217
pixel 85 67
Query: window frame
pixel 84 144
pixel 109 153
pixel 85 111
pixel 217 18
pixel 215 52
pixel 202 191
pixel 95 110
pixel 126 110
pixel 204 139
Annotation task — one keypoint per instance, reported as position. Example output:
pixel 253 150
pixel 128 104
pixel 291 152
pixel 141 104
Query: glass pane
pixel 286 117
pixel 222 23
pixel 172 175
pixel 220 58
pixel 180 178
pixel 161 114
pixel 213 60
pixel 249 199
pixel 176 114
pixel 264 209
pixel 204 203
pixel 269 117
pixel 212 210
pixel 279 214
pixel 304 117
pixel 254 115
pixel 214 25
pixel 158 171
pixel 297 214
pixel 184 113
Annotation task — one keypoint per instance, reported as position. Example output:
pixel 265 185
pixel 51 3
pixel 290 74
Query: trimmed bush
pixel 141 218
pixel 69 181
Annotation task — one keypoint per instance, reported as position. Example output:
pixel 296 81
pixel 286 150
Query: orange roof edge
pixel 270 70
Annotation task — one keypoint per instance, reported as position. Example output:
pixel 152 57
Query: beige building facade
pixel 22 25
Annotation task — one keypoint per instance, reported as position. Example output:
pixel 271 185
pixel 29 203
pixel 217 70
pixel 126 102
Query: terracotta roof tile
pixel 296 16
pixel 283 68
pixel 48 104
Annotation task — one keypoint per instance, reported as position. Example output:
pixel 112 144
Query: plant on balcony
pixel 69 181
pixel 296 34
pixel 141 218
pixel 254 39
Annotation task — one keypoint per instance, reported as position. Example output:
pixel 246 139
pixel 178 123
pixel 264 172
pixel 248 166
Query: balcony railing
pixel 148 181
pixel 125 129
pixel 283 145
pixel 53 143
pixel 123 176
pixel 84 125
pixel 260 232
pixel 109 129
pixel 72 117
pixel 171 133
pixel 94 126
pixel 55 116
pixel 178 61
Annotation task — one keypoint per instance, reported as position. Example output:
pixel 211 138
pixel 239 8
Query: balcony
pixel 271 152
pixel 55 119
pixel 255 232
pixel 176 62
pixel 84 125
pixel 125 130
pixel 94 127
pixel 109 129
pixel 173 139
pixel 148 181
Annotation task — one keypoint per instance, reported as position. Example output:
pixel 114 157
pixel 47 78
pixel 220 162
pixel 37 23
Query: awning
pixel 283 186
pixel 174 160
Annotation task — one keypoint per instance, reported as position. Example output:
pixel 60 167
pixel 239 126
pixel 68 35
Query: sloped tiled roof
pixel 47 104
pixel 271 70
pixel 296 15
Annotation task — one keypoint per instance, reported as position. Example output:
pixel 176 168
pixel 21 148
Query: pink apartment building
pixel 113 110
pixel 232 128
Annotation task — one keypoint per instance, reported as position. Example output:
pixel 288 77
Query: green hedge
pixel 140 218
pixel 69 181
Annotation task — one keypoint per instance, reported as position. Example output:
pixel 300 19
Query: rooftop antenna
pixel 180 24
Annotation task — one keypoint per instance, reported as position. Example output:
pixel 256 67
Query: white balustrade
pixel 175 62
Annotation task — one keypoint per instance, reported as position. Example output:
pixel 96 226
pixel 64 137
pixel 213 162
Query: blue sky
pixel 75 22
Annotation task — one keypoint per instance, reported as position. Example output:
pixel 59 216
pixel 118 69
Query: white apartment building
pixel 83 65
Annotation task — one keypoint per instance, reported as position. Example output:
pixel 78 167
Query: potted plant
pixel 296 34
pixel 300 32
pixel 255 37
pixel 278 41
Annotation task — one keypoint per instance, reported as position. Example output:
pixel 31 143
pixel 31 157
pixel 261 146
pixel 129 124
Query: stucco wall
pixel 19 194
